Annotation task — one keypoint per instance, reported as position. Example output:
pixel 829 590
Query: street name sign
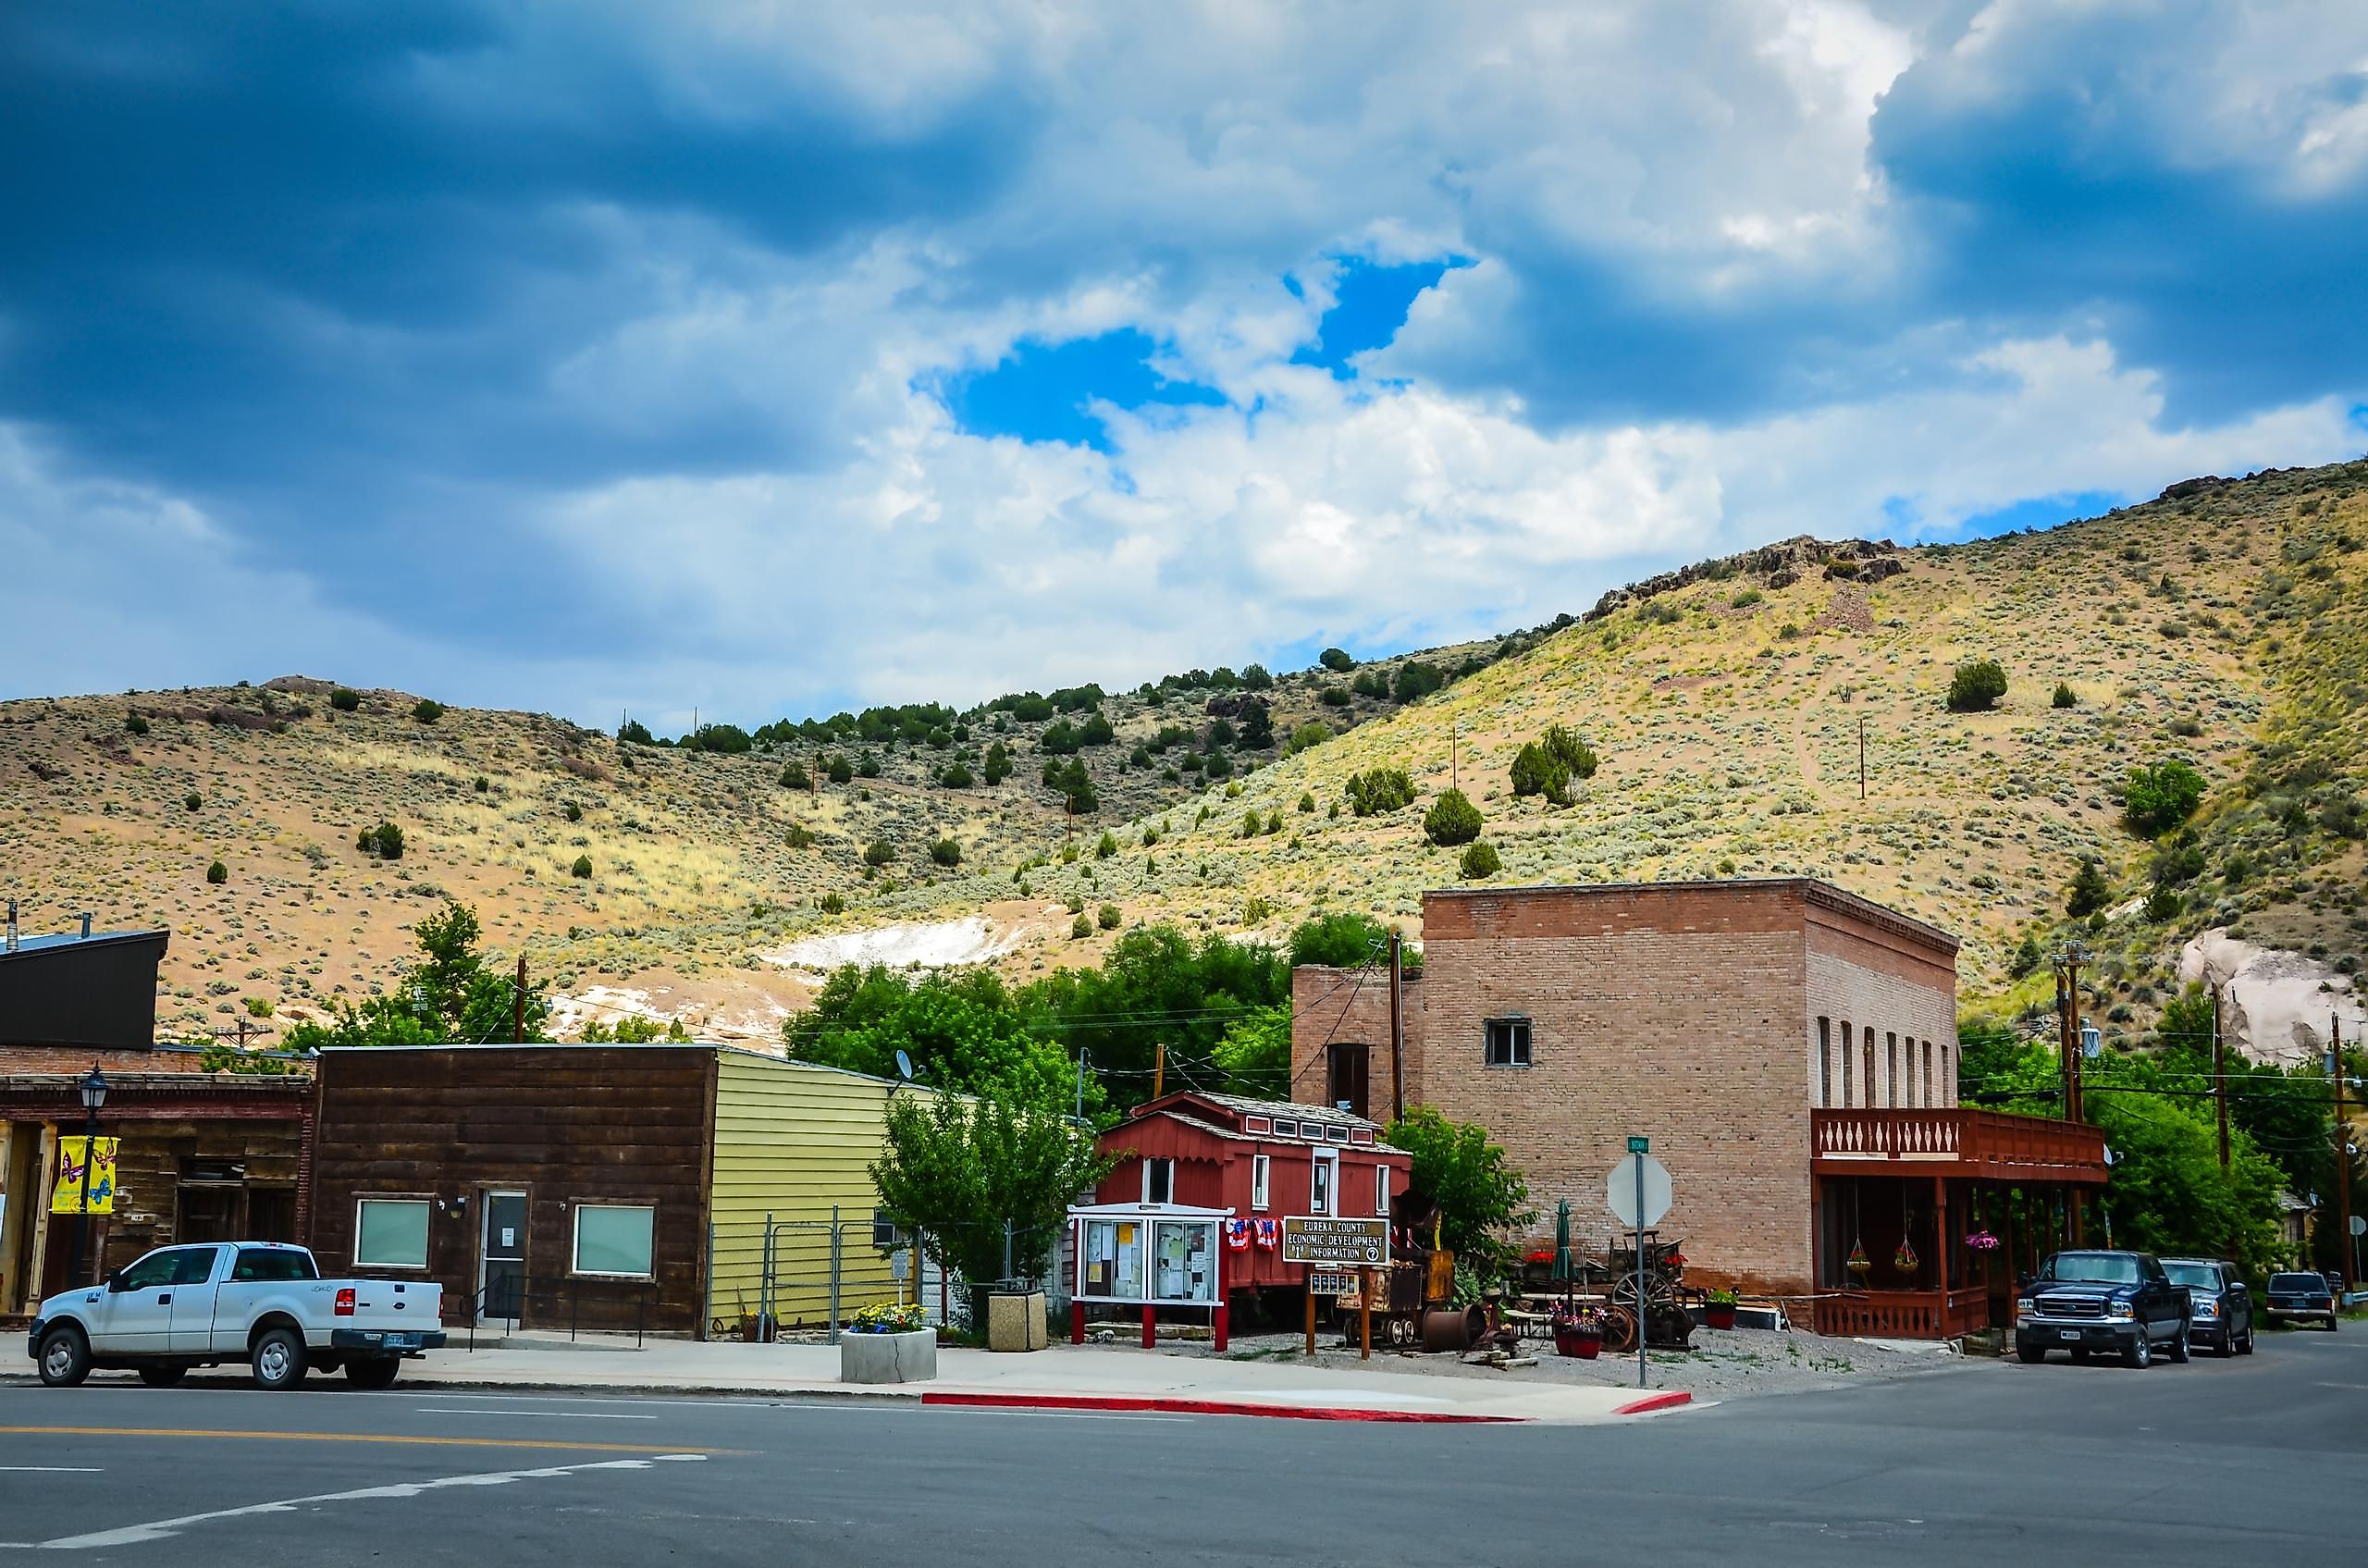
pixel 1353 1243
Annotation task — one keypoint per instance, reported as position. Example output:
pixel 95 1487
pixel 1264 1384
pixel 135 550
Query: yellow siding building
pixel 792 1145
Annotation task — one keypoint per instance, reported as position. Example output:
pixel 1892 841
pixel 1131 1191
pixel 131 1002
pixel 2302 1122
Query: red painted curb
pixel 1654 1401
pixel 1198 1407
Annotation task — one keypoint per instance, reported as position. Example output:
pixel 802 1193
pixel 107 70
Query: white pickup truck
pixel 262 1303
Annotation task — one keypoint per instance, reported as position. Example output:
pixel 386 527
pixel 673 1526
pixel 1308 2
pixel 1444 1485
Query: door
pixel 134 1314
pixel 501 1260
pixel 1345 1069
pixel 193 1292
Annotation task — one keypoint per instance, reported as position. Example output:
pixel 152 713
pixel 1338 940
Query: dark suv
pixel 2223 1303
pixel 2088 1301
pixel 2302 1298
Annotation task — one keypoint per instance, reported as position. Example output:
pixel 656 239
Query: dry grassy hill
pixel 2227 623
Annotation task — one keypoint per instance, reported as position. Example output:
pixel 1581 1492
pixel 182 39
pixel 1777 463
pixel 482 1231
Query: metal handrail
pixel 520 1291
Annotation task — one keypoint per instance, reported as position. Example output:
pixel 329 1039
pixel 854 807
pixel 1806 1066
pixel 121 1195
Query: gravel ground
pixel 1725 1364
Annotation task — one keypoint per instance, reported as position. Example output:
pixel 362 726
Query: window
pixel 614 1239
pixel 1286 1128
pixel 194 1266
pixel 1929 1098
pixel 1507 1043
pixel 1159 1182
pixel 1825 1061
pixel 1845 1063
pixel 272 1266
pixel 1891 1071
pixel 390 1234
pixel 1261 1173
pixel 1381 1190
pixel 1948 1095
pixel 1911 1071
pixel 156 1268
pixel 1867 1060
pixel 1327 1169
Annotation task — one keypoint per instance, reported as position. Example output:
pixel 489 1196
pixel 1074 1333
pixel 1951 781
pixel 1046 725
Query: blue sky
pixel 764 359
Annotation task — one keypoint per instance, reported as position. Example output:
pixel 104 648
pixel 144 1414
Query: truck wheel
pixel 2140 1353
pixel 2032 1355
pixel 372 1372
pixel 64 1358
pixel 2178 1347
pixel 164 1376
pixel 278 1360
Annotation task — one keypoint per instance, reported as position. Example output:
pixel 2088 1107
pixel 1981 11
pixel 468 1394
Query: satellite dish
pixel 904 1067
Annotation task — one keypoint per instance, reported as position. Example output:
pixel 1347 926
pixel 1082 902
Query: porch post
pixel 1817 1233
pixel 1941 1242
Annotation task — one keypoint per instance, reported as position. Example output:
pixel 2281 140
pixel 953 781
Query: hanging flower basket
pixel 1904 1259
pixel 1858 1263
pixel 1981 1242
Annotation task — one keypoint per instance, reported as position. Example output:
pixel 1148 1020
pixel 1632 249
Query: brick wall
pixel 1896 1005
pixel 1683 1011
pixel 1331 1005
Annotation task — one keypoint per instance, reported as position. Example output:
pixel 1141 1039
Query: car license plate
pixel 2068 1333
pixel 401 1341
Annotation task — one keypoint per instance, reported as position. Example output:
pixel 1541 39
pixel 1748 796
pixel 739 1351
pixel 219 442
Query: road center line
pixel 159 1529
pixel 53 1469
pixel 325 1437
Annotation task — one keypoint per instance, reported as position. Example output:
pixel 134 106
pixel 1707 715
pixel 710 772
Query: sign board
pixel 1324 1284
pixel 2358 1226
pixel 74 1164
pixel 1620 1190
pixel 1353 1243
pixel 1640 1145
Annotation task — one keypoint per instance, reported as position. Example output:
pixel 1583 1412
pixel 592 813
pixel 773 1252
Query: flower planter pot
pixel 1715 1315
pixel 1582 1345
pixel 888 1358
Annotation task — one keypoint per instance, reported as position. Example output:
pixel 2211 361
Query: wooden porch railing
pixel 1956 1142
pixel 1904 1314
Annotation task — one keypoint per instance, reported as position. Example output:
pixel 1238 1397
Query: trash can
pixel 1016 1321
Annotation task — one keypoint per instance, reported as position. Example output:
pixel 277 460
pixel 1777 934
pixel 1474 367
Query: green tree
pixel 795 776
pixel 2064 696
pixel 2158 798
pixel 1346 940
pixel 2167 1192
pixel 1976 687
pixel 1107 845
pixel 1379 790
pixel 879 852
pixel 1565 746
pixel 997 766
pixel 1481 860
pixel 345 700
pixel 1255 1054
pixel 583 866
pixel 1156 984
pixel 1534 771
pixel 448 995
pixel 964 1030
pixel 1452 820
pixel 2089 891
pixel 969 1172
pixel 1416 680
pixel 1337 661
pixel 946 852
pixel 428 710
pixel 1482 1201
pixel 217 873
pixel 633 732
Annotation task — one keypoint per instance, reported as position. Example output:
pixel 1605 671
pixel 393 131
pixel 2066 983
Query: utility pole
pixel 2220 1090
pixel 1080 1083
pixel 1159 1069
pixel 2342 1155
pixel 1454 766
pixel 1396 1029
pixel 2073 955
pixel 1862 757
pixel 518 1004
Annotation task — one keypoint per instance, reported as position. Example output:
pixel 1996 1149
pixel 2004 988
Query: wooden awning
pixel 1989 1145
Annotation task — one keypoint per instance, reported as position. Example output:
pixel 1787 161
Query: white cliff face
pixel 2275 1005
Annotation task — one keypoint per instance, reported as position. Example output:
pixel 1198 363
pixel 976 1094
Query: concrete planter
pixel 1016 1322
pixel 888 1358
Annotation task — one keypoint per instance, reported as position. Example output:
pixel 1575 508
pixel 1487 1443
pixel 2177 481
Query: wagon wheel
pixel 1400 1329
pixel 1618 1329
pixel 1659 1292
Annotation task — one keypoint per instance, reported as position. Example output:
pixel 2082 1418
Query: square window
pixel 1159 1182
pixel 390 1234
pixel 1507 1043
pixel 614 1239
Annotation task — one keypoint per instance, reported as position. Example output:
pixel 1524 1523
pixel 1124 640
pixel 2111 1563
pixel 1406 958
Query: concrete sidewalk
pixel 1058 1377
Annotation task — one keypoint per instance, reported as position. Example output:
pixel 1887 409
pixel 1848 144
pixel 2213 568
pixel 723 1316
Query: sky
pixel 767 358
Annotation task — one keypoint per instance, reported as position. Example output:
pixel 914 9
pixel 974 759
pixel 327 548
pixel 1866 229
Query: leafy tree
pixel 1255 678
pixel 1108 916
pixel 955 776
pixel 879 852
pixel 449 995
pixel 1452 820
pixel 386 841
pixel 1372 684
pixel 2167 1192
pixel 634 1029
pixel 799 836
pixel 1220 766
pixel 135 724
pixel 1107 845
pixel 345 700
pixel 2064 696
pixel 583 866
pixel 1255 1054
pixel 1076 785
pixel 795 776
pixel 217 873
pixel 1097 730
pixel 1257 725
pixel 1333 696
pixel 1081 928
pixel 997 766
pixel 1221 733
pixel 1307 802
pixel 1060 739
pixel 1345 941
pixel 1156 983
pixel 1565 746
pixel 1337 661
pixel 428 710
pixel 633 732
pixel 1379 790
pixel 968 1172
pixel 571 812
pixel 1417 680
pixel 726 739
pixel 193 801
pixel 946 852
pixel 1976 687
pixel 1482 1201
pixel 1481 860
pixel 2158 798
pixel 866 766
pixel 964 1030
pixel 2090 892
pixel 1536 772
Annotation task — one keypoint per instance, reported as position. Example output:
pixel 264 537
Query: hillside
pixel 2225 623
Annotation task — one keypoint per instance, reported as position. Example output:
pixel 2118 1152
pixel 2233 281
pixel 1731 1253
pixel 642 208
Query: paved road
pixel 2224 1463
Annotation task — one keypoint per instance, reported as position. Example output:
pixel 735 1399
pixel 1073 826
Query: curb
pixel 1207 1407
pixel 1652 1403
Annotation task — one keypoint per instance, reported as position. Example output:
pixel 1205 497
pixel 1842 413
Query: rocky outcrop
pixel 1779 565
pixel 2275 1005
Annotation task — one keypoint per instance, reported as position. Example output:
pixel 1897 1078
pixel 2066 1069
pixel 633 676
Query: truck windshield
pixel 2202 1276
pixel 2093 1268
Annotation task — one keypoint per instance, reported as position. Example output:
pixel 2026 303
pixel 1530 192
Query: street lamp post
pixel 94 1094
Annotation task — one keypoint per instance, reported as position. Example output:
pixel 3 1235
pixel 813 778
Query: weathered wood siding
pixel 564 1125
pixel 791 1140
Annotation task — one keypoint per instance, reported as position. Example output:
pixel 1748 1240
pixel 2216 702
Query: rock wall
pixel 2276 1006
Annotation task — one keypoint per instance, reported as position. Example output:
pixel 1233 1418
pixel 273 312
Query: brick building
pixel 1789 1048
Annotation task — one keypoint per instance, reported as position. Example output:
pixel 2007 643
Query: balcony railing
pixel 1904 1315
pixel 1956 1142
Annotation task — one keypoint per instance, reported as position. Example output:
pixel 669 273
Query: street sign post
pixel 1341 1243
pixel 1637 1190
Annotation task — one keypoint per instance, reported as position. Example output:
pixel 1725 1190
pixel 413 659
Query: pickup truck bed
pixel 260 1302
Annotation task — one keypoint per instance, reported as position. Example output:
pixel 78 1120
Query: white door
pixel 135 1312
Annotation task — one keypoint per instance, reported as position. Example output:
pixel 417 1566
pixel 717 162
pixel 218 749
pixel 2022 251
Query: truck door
pixel 255 1274
pixel 134 1312
pixel 193 1292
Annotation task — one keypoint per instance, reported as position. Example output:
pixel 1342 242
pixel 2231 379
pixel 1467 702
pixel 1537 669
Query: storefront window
pixel 1114 1259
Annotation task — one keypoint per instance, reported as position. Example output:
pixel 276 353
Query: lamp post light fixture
pixel 94 1096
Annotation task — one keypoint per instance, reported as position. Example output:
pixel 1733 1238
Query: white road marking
pixel 534 1414
pixel 160 1529
pixel 53 1469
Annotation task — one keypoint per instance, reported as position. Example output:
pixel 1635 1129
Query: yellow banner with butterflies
pixel 82 1159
